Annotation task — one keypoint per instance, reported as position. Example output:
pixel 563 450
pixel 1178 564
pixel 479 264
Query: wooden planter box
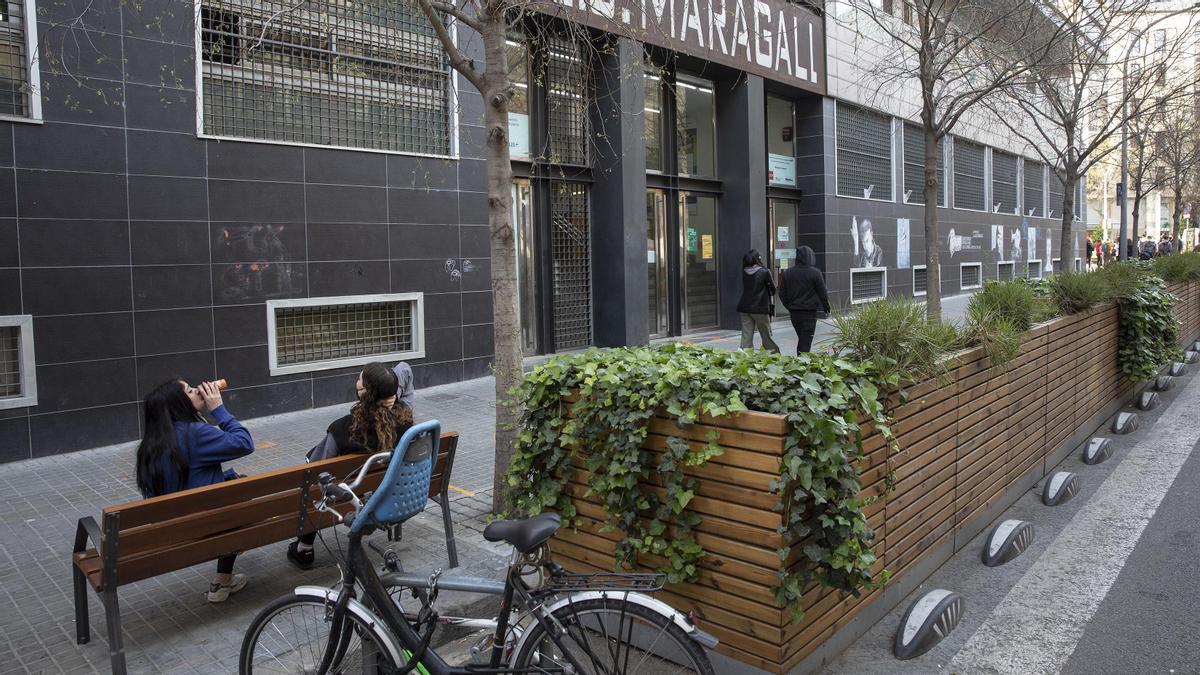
pixel 972 443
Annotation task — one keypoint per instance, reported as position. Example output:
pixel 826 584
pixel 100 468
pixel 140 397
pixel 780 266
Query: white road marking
pixel 1037 625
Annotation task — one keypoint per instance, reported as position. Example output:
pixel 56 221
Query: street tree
pixel 1146 171
pixel 1179 153
pixel 958 52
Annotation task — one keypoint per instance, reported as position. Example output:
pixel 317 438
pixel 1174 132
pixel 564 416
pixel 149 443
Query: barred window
pixel 868 284
pixel 1034 270
pixel 914 166
pixel 1033 189
pixel 367 74
pixel 970 275
pixel 18 76
pixel 1056 266
pixel 920 280
pixel 18 377
pixel 1055 193
pixel 864 153
pixel 572 259
pixel 968 176
pixel 311 334
pixel 567 80
pixel 1004 182
pixel 1004 271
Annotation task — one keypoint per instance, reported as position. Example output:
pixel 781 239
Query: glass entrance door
pixel 698 259
pixel 522 221
pixel 656 263
pixel 783 244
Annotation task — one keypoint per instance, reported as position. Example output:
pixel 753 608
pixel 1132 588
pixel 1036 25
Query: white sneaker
pixel 221 592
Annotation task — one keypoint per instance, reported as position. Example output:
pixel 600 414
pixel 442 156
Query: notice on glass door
pixel 706 246
pixel 783 233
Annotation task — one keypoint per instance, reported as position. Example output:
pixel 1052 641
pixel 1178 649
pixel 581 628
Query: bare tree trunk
pixel 506 327
pixel 1133 231
pixel 1176 214
pixel 1066 243
pixel 933 270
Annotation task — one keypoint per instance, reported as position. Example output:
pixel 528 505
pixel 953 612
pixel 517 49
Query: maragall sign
pixel 772 38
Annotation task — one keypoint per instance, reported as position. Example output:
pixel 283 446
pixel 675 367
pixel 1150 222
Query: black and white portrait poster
pixel 866 250
pixel 1049 257
pixel 1032 244
pixel 998 242
pixel 1017 241
pixel 903 244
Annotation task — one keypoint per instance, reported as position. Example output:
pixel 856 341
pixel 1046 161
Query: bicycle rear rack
pixel 607 581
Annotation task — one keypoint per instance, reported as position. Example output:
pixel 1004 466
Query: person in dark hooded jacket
pixel 802 291
pixel 758 295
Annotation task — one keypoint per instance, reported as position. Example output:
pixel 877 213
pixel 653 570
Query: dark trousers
pixel 225 564
pixel 805 324
pixel 307 538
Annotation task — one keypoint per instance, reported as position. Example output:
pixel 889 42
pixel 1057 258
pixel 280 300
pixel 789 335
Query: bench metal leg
pixel 112 617
pixel 83 631
pixel 395 532
pixel 451 548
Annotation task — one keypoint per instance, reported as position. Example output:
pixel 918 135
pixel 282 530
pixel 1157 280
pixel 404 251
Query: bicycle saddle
pixel 525 535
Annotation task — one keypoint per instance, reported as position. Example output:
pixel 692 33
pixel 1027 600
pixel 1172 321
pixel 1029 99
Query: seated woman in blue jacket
pixel 180 451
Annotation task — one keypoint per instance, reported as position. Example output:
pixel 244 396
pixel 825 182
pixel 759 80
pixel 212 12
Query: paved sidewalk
pixel 168 626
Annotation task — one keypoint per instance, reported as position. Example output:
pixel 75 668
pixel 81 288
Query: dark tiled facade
pixel 115 222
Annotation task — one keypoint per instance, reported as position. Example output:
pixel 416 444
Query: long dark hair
pixel 751 258
pixel 163 407
pixel 370 413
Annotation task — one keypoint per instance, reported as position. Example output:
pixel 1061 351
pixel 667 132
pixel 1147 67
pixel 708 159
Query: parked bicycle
pixel 550 620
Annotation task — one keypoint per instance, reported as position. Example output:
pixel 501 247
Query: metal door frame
pixel 527 271
pixel 662 311
pixel 772 237
pixel 681 269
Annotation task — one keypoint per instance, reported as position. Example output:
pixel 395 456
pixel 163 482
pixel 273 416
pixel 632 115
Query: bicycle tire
pixel 360 650
pixel 592 620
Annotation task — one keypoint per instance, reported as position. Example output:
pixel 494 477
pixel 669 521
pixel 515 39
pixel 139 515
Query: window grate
pixel 567 80
pixel 14 71
pixel 1056 266
pixel 1054 194
pixel 968 176
pixel 317 333
pixel 10 361
pixel 1034 271
pixel 1004 271
pixel 366 74
pixel 867 284
pixel 1033 189
pixel 970 275
pixel 1004 181
pixel 864 153
pixel 571 241
pixel 914 166
pixel 920 280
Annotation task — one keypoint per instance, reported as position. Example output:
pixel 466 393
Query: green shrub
pixel 824 399
pixel 1014 301
pixel 1149 333
pixel 1074 293
pixel 1179 267
pixel 1120 278
pixel 896 336
pixel 999 337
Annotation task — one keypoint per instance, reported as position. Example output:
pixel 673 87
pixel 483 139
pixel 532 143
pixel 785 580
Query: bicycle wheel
pixel 290 636
pixel 609 636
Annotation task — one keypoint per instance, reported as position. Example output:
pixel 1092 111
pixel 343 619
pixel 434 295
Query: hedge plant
pixel 1149 333
pixel 594 408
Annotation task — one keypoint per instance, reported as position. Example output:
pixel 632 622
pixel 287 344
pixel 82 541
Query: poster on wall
pixel 693 239
pixel 960 243
pixel 903 245
pixel 518 135
pixel 998 242
pixel 1032 244
pixel 1048 267
pixel 867 252
pixel 1016 248
pixel 781 170
pixel 706 247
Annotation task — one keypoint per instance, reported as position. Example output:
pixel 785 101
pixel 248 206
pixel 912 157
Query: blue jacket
pixel 205 447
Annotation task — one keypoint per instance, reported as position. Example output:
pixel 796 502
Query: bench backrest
pixel 184 528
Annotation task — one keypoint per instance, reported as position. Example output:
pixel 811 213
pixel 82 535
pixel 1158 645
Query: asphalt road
pixel 1150 621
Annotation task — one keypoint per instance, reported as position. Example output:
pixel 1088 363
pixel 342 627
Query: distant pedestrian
pixel 802 290
pixel 758 301
pixel 1087 251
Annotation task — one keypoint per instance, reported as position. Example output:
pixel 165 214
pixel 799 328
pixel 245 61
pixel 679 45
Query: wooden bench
pixel 146 538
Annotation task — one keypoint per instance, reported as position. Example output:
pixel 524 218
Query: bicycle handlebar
pixel 336 492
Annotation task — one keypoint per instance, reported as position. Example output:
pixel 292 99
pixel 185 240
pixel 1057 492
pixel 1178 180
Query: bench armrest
pixel 85 530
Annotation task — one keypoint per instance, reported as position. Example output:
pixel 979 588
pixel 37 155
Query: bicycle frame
pixel 359 570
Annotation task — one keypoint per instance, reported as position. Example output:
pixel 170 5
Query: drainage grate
pixel 317 333
pixel 920 280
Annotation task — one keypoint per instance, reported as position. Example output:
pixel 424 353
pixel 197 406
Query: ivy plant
pixel 587 419
pixel 1149 332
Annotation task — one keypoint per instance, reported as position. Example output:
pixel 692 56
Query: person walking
pixel 757 305
pixel 802 291
pixel 1087 251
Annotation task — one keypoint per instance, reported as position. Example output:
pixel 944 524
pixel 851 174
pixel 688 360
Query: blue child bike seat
pixel 405 487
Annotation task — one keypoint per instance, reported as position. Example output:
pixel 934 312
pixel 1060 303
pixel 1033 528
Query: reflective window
pixel 518 107
pixel 695 127
pixel 653 130
pixel 781 143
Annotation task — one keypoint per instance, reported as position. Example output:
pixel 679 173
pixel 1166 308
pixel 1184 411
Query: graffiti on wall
pixel 261 270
